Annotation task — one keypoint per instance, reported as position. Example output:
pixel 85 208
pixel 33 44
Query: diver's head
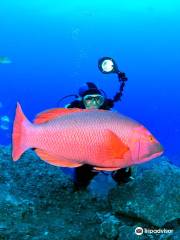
pixel 92 97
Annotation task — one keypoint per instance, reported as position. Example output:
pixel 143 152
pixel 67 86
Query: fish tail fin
pixel 20 131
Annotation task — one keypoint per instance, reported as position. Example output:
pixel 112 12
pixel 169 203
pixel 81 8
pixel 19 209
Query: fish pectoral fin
pixel 55 160
pixel 51 114
pixel 105 169
pixel 112 147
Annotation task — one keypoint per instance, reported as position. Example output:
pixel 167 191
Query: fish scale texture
pixel 82 131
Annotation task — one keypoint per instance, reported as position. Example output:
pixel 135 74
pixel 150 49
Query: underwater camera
pixel 107 65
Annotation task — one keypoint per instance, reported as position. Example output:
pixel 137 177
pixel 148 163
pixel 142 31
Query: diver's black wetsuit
pixel 85 173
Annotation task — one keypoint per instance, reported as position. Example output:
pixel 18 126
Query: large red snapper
pixel 72 137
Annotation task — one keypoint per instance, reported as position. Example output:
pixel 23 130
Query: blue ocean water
pixel 55 45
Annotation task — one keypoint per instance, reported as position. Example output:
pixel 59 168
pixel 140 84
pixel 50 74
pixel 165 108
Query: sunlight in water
pixel 88 8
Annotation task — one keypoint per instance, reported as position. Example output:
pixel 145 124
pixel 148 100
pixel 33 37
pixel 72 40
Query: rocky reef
pixel 38 202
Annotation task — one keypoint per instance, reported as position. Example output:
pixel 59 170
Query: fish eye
pixel 151 138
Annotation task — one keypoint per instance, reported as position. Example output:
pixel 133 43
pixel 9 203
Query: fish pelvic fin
pixel 105 169
pixel 20 127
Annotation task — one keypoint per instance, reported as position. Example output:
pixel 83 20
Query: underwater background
pixel 54 47
pixel 48 49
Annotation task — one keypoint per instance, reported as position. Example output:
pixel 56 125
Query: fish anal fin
pixel 56 161
pixel 54 113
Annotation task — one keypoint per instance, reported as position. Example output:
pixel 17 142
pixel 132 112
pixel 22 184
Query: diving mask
pixel 93 100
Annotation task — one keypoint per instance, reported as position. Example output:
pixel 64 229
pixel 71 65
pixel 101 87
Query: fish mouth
pixel 158 153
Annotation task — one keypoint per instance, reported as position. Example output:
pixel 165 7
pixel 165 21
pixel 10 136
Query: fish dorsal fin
pixel 50 114
pixel 56 161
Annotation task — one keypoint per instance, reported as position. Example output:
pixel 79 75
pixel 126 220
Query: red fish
pixel 103 139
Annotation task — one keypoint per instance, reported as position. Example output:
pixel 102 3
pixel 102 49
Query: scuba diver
pixel 91 97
